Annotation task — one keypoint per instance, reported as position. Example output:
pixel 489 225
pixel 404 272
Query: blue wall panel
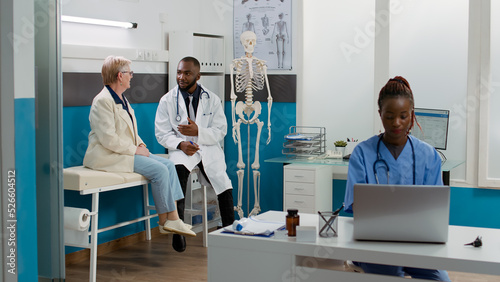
pixel 145 114
pixel 26 188
pixel 271 182
pixel 475 207
pixel 338 195
pixel 76 129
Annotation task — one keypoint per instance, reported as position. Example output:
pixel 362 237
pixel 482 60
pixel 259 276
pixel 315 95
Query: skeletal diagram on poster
pixel 270 20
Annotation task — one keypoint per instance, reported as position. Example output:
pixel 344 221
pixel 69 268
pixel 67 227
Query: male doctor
pixel 190 123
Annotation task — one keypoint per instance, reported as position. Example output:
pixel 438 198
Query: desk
pixel 249 258
pixel 446 167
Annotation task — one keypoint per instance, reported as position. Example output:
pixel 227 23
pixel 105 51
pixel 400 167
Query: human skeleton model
pixel 251 74
pixel 280 33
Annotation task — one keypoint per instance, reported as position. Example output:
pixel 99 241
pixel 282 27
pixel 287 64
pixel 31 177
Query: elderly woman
pixel 115 146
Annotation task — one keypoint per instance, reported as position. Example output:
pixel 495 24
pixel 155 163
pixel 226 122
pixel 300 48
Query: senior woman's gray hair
pixel 111 67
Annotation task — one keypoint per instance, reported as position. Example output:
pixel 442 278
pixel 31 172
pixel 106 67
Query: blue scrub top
pixel 427 167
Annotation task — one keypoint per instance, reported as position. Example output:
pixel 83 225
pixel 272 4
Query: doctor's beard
pixel 185 89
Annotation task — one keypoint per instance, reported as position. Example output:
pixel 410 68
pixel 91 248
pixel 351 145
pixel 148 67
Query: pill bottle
pixel 292 221
pixel 238 225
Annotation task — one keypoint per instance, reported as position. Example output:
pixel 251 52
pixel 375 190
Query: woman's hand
pixel 142 150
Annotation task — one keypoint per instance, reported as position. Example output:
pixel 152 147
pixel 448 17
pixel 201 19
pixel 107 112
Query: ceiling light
pixel 98 22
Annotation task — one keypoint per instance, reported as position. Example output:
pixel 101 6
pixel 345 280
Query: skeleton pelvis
pixel 242 107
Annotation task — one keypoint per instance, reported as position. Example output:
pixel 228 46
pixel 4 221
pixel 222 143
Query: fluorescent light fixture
pixel 98 22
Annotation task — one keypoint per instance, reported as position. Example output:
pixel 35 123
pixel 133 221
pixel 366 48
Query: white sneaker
pixel 163 231
pixel 178 227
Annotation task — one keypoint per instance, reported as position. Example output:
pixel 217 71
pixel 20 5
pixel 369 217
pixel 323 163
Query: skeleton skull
pixel 248 40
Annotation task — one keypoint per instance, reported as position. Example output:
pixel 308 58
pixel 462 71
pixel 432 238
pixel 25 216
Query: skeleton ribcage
pixel 249 76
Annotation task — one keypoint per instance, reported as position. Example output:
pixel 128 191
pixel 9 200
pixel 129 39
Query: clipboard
pixel 256 227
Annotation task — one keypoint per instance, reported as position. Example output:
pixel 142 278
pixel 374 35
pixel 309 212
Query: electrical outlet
pixel 140 55
pixel 154 55
pixel 148 55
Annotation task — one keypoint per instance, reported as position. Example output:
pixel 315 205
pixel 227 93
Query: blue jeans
pixel 429 274
pixel 164 181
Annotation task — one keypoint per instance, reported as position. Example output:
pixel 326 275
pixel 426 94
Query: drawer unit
pixel 299 175
pixel 305 204
pixel 307 188
pixel 299 188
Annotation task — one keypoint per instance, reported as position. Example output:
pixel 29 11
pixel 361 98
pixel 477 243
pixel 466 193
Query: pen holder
pixel 328 224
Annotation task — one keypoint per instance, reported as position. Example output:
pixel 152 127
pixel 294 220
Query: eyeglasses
pixel 130 72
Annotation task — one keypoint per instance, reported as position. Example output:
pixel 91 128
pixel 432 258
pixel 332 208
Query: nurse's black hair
pixel 394 88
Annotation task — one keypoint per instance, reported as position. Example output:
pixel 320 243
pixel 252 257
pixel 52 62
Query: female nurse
pixel 409 160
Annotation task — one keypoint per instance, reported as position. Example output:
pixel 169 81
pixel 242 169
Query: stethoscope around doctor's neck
pixel 382 161
pixel 203 100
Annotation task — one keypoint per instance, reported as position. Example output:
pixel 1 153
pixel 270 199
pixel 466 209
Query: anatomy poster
pixel 270 20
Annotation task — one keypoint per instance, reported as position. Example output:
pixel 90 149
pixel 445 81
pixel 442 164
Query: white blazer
pixel 212 127
pixel 113 137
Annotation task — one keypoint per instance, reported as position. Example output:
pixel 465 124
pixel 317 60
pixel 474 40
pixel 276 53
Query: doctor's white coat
pixel 212 128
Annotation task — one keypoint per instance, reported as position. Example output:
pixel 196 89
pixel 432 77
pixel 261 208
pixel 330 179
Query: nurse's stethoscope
pixel 204 101
pixel 380 160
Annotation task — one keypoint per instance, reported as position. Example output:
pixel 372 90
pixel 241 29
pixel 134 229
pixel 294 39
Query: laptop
pixel 404 213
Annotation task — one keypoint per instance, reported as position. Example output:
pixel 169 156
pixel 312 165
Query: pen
pixel 338 210
pixel 194 145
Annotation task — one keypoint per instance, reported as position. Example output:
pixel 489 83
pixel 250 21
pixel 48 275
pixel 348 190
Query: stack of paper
pixel 297 136
pixel 257 227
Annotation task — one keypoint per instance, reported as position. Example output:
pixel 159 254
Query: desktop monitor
pixel 434 125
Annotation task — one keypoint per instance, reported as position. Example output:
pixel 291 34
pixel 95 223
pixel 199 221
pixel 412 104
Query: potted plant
pixel 340 146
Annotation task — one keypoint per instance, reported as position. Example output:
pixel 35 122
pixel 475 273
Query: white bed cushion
pixel 131 177
pixel 81 178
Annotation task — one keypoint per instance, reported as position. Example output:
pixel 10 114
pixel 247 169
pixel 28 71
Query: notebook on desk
pixel 405 213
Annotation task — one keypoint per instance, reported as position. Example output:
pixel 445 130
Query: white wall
pixel 337 75
pixel 494 118
pixel 155 19
pixel 432 55
pixel 23 42
pixel 203 16
pixel 146 13
pixel 427 44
